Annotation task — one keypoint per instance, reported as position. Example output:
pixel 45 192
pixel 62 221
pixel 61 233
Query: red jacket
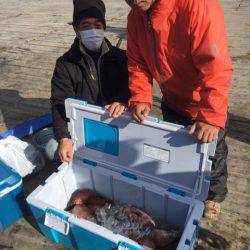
pixel 182 45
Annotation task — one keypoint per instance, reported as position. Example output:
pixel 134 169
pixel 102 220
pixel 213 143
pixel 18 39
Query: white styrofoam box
pixel 155 166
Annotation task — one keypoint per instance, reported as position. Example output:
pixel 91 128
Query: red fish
pixel 79 197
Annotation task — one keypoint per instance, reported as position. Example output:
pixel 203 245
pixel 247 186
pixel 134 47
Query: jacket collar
pixel 160 9
pixel 104 48
pixel 77 50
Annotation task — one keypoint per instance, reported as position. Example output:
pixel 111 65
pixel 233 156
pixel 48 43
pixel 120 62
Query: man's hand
pixel 141 111
pixel 116 109
pixel 66 150
pixel 205 132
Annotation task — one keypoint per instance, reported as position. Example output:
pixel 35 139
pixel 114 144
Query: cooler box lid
pixel 9 179
pixel 157 152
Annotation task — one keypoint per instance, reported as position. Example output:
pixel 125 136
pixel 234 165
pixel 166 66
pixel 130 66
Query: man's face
pixel 88 24
pixel 143 5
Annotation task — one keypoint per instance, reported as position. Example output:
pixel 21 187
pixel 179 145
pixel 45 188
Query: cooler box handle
pixel 56 221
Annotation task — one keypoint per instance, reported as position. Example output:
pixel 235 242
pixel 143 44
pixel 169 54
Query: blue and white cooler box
pixel 155 166
pixel 12 202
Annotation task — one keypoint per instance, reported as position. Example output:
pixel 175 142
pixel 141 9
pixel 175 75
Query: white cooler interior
pixel 162 205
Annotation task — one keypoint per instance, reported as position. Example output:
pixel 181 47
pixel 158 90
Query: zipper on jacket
pixel 91 74
pixel 97 71
pixel 154 47
pixel 99 77
pixel 104 50
pixel 88 61
pixel 90 64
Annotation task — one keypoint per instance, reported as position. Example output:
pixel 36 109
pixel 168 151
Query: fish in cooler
pixel 126 220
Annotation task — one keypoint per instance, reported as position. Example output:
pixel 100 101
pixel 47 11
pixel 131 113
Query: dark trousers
pixel 218 185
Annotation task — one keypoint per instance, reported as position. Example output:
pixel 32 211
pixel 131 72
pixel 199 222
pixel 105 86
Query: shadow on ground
pixel 239 127
pixel 15 109
pixel 209 240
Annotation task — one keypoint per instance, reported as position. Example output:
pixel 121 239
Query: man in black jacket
pixel 92 70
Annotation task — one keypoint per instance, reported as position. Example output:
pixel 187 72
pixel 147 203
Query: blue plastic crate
pixel 12 202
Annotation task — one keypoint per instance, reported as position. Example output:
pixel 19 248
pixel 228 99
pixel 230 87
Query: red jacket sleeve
pixel 212 60
pixel 140 79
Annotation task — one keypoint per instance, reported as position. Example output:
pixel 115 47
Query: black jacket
pixel 75 76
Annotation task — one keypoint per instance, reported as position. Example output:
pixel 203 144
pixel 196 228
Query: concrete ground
pixel 34 33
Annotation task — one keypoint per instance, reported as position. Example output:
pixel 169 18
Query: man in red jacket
pixel 182 45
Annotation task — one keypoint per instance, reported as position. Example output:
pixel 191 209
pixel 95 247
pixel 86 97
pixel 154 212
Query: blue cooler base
pixel 78 238
pixel 12 207
pixel 13 204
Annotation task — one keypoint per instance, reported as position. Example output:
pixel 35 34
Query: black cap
pixel 88 8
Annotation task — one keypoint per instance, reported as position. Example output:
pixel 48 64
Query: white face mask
pixel 92 39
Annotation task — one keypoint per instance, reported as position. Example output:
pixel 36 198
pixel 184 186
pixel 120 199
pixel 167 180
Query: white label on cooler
pixel 156 153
